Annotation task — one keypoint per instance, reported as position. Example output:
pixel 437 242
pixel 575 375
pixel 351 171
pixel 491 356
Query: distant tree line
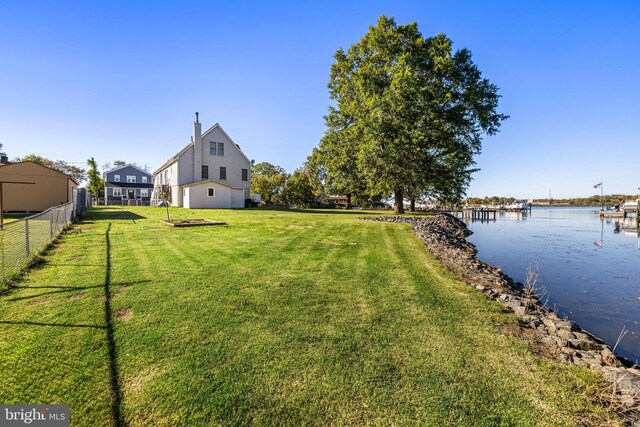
pixel 607 200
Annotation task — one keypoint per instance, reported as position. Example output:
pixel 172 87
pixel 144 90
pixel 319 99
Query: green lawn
pixel 278 318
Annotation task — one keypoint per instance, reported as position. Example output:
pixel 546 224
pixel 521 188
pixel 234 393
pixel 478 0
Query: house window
pixel 166 177
pixel 144 179
pixel 131 178
pixel 223 172
pixel 116 178
pixel 205 172
pixel 216 148
pixel 144 192
pixel 211 192
pixel 245 174
pixel 117 192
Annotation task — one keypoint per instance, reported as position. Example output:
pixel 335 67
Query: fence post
pixel 26 236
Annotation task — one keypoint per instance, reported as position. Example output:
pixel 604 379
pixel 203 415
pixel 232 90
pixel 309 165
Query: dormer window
pixel 131 178
pixel 144 179
pixel 116 178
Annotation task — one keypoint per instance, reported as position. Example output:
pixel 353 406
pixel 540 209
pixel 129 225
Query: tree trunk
pixel 399 204
pixel 348 200
pixel 412 206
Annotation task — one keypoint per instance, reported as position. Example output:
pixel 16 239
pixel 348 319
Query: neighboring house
pixel 210 172
pixel 127 185
pixel 50 187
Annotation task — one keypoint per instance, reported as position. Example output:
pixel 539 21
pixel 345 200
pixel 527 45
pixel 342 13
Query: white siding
pixel 237 198
pixel 185 198
pixel 185 167
pixel 233 160
pixel 182 172
pixel 196 196
pixel 172 181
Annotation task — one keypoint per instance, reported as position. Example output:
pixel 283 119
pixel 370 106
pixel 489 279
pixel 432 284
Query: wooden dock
pixel 482 214
pixel 478 213
pixel 624 211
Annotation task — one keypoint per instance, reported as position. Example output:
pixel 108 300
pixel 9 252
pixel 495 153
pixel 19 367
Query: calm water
pixel 590 268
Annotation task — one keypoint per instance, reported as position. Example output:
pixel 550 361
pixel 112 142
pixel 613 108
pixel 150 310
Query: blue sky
pixel 122 80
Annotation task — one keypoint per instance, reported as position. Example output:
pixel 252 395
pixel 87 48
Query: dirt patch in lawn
pixel 39 301
pixel 120 289
pixel 134 383
pixel 124 313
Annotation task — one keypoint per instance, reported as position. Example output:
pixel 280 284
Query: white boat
pixel 517 205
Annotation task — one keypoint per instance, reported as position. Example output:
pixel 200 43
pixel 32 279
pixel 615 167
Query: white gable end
pixel 211 156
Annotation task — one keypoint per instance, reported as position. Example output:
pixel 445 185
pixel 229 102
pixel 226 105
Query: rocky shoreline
pixel 549 335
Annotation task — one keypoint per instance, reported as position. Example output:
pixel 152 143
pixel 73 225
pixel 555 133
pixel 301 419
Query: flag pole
pixel 602 195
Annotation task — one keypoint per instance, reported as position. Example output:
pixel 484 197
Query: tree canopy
pixel 78 173
pixel 409 115
pixel 96 183
pixel 302 187
pixel 269 181
pixel 119 163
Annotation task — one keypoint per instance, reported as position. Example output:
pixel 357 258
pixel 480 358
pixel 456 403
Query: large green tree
pixel 269 181
pixel 300 188
pixel 410 111
pixel 337 153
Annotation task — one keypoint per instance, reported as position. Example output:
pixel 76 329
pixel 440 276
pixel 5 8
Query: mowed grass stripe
pixel 494 372
pixel 66 323
pixel 279 318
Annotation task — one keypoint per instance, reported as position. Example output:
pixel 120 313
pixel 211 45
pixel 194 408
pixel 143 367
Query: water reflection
pixel 627 226
pixel 590 267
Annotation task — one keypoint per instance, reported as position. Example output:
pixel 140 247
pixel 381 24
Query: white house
pixel 210 172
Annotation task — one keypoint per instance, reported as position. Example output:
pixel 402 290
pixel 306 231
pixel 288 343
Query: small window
pixel 117 192
pixel 223 172
pixel 212 148
pixel 131 178
pixel 245 174
pixel 220 148
pixel 144 192
pixel 211 192
pixel 205 172
pixel 144 179
pixel 116 178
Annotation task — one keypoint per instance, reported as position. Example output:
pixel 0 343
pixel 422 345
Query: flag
pixel 597 185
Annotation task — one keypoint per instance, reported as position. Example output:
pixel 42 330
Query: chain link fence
pixel 22 239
